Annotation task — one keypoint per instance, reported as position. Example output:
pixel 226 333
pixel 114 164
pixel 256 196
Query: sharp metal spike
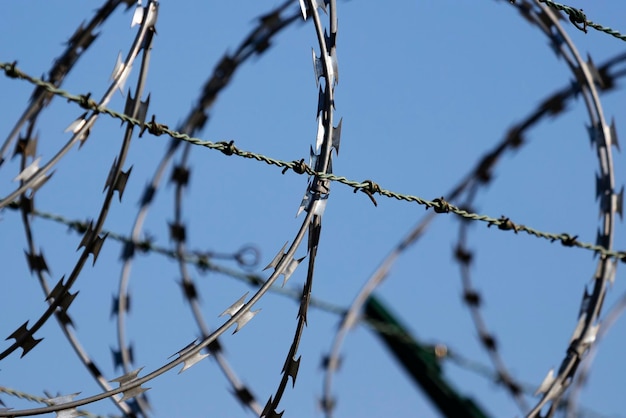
pixel 546 383
pixel 268 404
pixel 123 77
pixel 118 361
pixel 115 305
pixel 244 395
pixel 77 34
pixel 595 74
pixel 614 138
pixel 584 305
pixel 111 175
pixel 313 159
pixel 119 67
pixel 315 228
pixel 120 182
pixel 326 363
pixel 24 339
pixel 331 42
pixel 321 130
pixel 64 318
pixel 553 105
pixel 319 205
pixel 306 200
pixel 127 380
pixel 148 194
pixel 141 111
pixel 189 288
pixel 618 203
pixel 291 368
pixel 29 171
pixel 602 185
pixel 137 15
pixel 153 9
pixel 65 413
pixel 602 239
pixel 593 135
pixel 128 251
pixel 27 147
pixel 274 263
pixel 610 270
pixel 317 4
pixel 327 404
pixel 591 335
pixel 303 9
pixel 318 67
pixel 191 361
pixel 334 67
pixel 87 236
pixel 291 267
pixel 235 308
pixel 303 309
pixel 337 136
pixel 96 246
pixel 579 327
pixel 36 262
pixel 177 232
pixel 215 346
pixel 321 100
pixel 180 175
pixel 61 295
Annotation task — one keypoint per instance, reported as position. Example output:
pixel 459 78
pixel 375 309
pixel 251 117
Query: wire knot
pixel 442 206
pixel 86 102
pixel 369 189
pixel 504 224
pixel 567 240
pixel 229 147
pixel 153 127
pixel 11 71
pixel 577 17
pixel 298 166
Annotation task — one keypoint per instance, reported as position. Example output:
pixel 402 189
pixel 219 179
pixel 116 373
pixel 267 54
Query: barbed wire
pixel 369 187
pixel 577 17
pixel 318 188
pixel 39 399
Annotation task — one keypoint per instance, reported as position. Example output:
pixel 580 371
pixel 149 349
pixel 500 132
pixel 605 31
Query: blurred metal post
pixel 421 363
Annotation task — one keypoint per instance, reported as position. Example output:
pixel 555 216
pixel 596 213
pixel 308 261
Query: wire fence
pixel 128 390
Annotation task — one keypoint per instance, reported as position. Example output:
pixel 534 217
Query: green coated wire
pixel 577 16
pixel 368 186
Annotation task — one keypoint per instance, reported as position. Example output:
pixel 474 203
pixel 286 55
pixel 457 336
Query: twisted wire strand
pixel 367 186
pixel 229 148
pixel 577 17
pixel 39 399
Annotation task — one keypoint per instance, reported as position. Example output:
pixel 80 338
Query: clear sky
pixel 425 90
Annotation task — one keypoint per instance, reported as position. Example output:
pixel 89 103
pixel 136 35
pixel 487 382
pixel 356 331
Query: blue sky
pixel 425 90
